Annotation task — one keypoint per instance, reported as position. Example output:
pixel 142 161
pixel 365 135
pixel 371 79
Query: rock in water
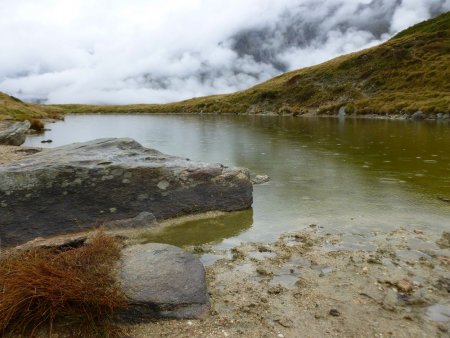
pixel 260 179
pixel 14 133
pixel 418 116
pixel 94 183
pixel 161 280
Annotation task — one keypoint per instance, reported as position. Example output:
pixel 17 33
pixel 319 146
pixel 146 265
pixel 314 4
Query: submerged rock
pixel 260 179
pixel 110 180
pixel 161 280
pixel 14 133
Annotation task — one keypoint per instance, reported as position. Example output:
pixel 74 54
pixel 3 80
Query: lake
pixel 351 176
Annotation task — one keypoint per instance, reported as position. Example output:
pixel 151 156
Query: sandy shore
pixel 12 153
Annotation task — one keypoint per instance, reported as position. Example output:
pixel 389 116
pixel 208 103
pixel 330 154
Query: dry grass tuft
pixel 74 290
pixel 37 125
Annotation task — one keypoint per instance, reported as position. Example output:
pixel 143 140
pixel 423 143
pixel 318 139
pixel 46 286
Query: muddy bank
pixel 312 284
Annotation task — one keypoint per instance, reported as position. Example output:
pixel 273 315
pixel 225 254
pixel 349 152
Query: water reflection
pixel 210 230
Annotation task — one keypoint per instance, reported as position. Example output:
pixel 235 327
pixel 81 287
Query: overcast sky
pixel 155 51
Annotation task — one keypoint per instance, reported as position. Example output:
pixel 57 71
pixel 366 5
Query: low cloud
pixel 159 51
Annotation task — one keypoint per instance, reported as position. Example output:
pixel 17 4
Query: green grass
pixel 410 72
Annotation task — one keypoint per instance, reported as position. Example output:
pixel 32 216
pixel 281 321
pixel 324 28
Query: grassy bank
pixel 410 72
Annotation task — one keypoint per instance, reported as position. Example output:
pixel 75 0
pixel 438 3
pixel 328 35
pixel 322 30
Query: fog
pixel 156 51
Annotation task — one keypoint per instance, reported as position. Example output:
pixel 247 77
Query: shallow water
pixel 350 176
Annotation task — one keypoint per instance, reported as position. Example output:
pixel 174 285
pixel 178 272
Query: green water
pixel 349 176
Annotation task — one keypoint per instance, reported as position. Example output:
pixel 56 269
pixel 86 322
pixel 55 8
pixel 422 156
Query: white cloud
pixel 135 51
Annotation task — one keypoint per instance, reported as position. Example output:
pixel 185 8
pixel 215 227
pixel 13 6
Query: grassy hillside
pixel 410 72
pixel 13 108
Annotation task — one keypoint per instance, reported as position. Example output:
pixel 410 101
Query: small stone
pixel 404 286
pixel 275 290
pixel 444 241
pixel 263 272
pixel 443 328
pixel 280 335
pixel 334 313
pixel 418 232
pixel 365 269
pixel 260 179
pixel 163 185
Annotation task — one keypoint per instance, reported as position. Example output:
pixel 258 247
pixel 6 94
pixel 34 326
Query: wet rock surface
pixel 110 180
pixel 13 133
pixel 260 179
pixel 161 280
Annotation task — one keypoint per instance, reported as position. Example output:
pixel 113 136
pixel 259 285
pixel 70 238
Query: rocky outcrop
pixel 94 183
pixel 13 133
pixel 161 280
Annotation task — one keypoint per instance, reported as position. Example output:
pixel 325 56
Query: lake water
pixel 349 176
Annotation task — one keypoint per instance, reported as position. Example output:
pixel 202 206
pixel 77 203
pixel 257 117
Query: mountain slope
pixel 410 72
pixel 13 108
pixel 407 73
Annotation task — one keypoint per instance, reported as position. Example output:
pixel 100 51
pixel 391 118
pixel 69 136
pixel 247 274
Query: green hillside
pixel 410 72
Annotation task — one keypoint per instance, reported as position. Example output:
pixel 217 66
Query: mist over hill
pixel 161 51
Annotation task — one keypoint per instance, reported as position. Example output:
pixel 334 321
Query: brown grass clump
pixel 74 290
pixel 37 125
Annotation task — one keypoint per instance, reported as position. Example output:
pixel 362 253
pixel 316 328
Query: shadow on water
pixel 209 230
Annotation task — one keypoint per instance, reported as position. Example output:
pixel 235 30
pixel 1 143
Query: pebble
pixel 280 335
pixel 443 328
pixel 405 286
pixel 335 313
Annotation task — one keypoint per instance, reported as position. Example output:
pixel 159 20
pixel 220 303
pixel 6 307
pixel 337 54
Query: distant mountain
pixel 410 72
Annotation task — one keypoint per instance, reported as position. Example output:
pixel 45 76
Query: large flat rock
pixel 161 280
pixel 13 133
pixel 110 181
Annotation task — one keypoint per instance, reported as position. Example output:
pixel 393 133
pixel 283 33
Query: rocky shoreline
pixel 310 284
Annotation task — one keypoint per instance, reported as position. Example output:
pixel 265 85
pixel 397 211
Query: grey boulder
pixel 13 133
pixel 418 116
pixel 110 182
pixel 161 280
